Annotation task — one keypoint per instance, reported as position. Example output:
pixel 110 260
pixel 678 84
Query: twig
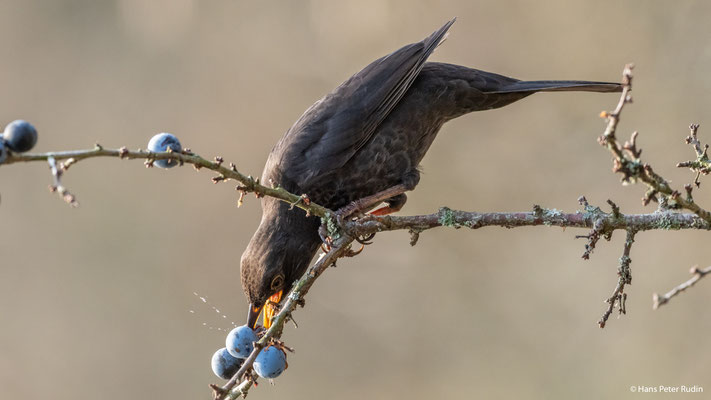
pixel 57 187
pixel 627 162
pixel 624 278
pixel 548 217
pixel 627 158
pixel 248 184
pixel 702 164
pixel 698 274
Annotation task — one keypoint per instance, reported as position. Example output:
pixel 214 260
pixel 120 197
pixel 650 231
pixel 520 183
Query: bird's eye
pixel 277 282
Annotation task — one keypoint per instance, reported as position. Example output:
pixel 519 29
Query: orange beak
pixel 270 308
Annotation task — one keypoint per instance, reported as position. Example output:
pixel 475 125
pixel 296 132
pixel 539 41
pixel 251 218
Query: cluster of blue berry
pixel 270 362
pixel 19 136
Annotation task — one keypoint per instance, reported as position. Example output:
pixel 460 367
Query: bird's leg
pixel 368 202
pixel 394 196
pixel 394 204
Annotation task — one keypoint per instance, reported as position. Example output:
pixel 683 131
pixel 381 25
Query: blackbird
pixel 360 146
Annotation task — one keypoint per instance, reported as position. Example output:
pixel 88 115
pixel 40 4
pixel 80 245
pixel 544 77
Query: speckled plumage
pixel 366 136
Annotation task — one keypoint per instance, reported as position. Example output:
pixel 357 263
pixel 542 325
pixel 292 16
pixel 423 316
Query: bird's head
pixel 277 255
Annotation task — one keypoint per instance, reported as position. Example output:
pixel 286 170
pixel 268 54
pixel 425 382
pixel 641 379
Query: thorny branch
pixel 57 187
pixel 626 160
pixel 590 217
pixel 698 274
pixel 624 274
pixel 247 183
pixel 701 165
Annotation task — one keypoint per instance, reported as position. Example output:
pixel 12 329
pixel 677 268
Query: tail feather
pixel 560 86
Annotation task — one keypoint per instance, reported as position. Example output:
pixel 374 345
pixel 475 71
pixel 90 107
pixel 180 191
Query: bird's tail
pixel 559 86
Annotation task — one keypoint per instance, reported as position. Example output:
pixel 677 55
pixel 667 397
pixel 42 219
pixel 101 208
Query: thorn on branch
pixel 218 178
pixel 697 275
pixel 257 183
pixel 217 391
pixel 615 209
pixel 674 201
pixel 650 195
pixel 631 146
pixel 68 163
pixel 414 236
pixel 290 317
pixel 303 199
pixel 689 189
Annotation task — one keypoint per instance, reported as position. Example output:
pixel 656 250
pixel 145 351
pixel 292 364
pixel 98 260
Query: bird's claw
pixel 352 253
pixel 365 240
pixel 328 243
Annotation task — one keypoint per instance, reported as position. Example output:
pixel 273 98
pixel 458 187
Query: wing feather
pixel 332 131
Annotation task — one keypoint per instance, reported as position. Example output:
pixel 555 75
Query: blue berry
pixel 224 365
pixel 239 341
pixel 20 136
pixel 160 143
pixel 3 151
pixel 270 363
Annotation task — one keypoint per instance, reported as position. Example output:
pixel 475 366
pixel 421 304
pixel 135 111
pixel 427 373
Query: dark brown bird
pixel 366 137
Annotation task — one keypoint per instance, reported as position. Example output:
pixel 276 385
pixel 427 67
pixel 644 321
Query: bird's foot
pixel 394 204
pixel 395 193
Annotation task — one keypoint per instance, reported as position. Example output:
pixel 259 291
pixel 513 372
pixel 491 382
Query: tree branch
pixel 624 278
pixel 607 222
pixel 627 159
pixel 702 164
pixel 248 184
pixel 698 274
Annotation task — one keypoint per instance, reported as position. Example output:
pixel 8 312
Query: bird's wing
pixel 329 133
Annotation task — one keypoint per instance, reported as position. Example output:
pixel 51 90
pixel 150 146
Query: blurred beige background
pixel 95 301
